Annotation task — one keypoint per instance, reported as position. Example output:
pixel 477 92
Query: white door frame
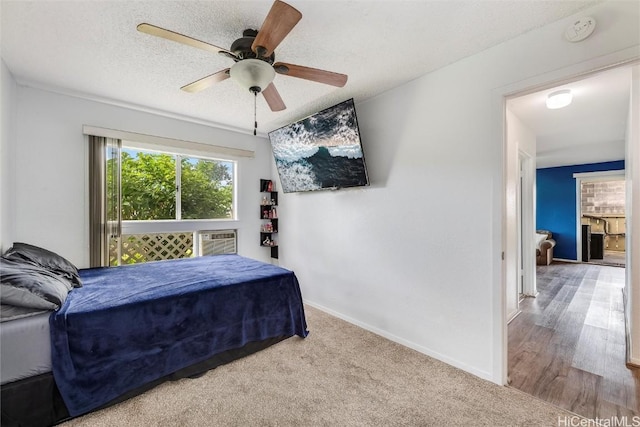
pixel 632 208
pixel 528 227
pixel 549 80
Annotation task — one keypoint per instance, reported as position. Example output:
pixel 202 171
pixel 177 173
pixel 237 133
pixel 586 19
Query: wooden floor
pixel 617 258
pixel 567 347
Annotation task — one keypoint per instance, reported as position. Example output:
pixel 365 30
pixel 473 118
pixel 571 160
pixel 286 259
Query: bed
pixel 127 329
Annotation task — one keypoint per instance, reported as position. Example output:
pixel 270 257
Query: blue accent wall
pixel 556 203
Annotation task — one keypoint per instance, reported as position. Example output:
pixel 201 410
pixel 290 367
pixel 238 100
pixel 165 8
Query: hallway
pixel 567 347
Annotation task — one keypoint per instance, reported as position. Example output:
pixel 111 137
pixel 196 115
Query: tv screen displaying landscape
pixel 322 151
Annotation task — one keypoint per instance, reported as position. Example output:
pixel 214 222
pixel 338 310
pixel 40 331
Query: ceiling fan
pixel 253 53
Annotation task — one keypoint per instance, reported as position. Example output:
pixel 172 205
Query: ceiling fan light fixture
pixel 559 99
pixel 252 74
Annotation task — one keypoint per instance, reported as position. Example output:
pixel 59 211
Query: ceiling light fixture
pixel 559 99
pixel 252 74
pixel 255 75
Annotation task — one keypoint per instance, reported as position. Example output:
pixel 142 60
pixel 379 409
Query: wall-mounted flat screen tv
pixel 321 152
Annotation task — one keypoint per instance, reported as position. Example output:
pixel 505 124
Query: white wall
pixel 51 208
pixel 7 142
pixel 416 257
pixel 523 137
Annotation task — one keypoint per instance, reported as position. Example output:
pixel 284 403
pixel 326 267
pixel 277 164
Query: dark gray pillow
pixel 26 285
pixel 46 259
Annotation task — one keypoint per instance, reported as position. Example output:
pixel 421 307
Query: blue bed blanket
pixel 130 325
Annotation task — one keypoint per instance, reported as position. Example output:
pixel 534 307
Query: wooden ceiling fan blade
pixel 273 98
pixel 180 38
pixel 279 22
pixel 313 74
pixel 206 82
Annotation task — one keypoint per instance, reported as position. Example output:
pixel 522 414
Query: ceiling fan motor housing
pixel 242 47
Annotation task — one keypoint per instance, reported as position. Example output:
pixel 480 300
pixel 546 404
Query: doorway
pixel 562 317
pixel 601 208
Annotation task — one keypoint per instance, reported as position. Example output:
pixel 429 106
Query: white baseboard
pixel 449 361
pixel 634 362
pixel 567 260
pixel 513 316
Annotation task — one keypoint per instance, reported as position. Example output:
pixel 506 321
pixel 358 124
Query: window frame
pixel 178 224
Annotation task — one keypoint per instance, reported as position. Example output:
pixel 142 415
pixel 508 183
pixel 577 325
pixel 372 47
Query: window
pixel 162 186
pixel 206 188
pixel 152 202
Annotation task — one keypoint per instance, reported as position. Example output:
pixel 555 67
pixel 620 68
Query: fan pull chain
pixel 255 113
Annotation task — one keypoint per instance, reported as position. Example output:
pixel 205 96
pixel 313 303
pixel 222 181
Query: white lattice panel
pixel 137 248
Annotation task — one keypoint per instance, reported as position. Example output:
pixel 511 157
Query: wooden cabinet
pixel 269 216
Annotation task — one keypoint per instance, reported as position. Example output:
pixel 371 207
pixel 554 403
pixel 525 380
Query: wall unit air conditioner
pixel 217 242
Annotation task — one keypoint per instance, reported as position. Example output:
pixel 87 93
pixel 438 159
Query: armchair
pixel 544 247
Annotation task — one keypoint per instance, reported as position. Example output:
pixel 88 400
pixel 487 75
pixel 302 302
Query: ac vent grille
pixel 218 242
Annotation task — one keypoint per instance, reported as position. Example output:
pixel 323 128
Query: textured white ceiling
pixel 589 130
pixel 92 48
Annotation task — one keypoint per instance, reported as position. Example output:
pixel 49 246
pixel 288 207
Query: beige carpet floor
pixel 340 375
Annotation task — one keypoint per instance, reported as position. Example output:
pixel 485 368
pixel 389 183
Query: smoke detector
pixel 580 29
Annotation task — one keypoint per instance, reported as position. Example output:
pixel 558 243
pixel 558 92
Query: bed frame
pixel 36 401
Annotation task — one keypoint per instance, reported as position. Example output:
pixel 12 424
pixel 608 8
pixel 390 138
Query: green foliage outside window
pixel 207 189
pixel 148 186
